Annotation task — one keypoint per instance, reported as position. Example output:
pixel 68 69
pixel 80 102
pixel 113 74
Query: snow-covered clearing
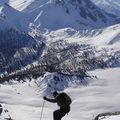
pixel 24 100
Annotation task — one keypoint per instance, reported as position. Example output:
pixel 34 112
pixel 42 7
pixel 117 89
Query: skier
pixel 63 100
pixel 1 109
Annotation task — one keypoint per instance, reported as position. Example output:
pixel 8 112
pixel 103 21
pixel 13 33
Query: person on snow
pixel 1 109
pixel 63 101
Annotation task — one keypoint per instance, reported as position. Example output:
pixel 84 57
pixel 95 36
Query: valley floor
pixel 24 100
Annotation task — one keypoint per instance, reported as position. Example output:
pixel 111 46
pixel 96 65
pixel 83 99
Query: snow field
pixel 24 100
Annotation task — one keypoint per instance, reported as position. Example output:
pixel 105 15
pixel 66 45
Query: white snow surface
pixel 108 37
pixel 111 6
pixel 20 4
pixel 116 117
pixel 24 100
pixel 47 14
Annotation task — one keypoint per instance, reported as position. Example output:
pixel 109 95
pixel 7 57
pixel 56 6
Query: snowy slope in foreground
pixel 24 100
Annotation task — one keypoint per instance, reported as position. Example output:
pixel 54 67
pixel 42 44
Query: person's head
pixel 0 105
pixel 55 93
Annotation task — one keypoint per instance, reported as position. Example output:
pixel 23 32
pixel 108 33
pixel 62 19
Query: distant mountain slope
pixel 111 6
pixel 84 49
pixel 57 14
pixel 17 49
pixel 11 18
pixel 79 14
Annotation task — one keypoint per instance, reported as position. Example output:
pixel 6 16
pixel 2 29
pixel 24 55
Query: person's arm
pixel 50 100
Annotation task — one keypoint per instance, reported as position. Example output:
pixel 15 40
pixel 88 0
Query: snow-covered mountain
pixel 11 18
pixel 56 14
pixel 79 14
pixel 17 49
pixel 111 6
pixel 78 19
pixel 72 47
pixel 20 4
pixel 48 45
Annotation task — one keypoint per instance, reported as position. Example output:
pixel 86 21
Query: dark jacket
pixel 60 100
pixel 1 109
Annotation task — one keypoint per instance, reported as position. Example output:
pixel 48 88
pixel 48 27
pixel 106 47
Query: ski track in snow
pixel 24 100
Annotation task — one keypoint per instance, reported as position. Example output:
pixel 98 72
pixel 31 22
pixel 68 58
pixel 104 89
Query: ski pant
pixel 58 114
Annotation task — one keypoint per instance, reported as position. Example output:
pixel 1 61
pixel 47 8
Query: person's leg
pixel 56 115
pixel 64 111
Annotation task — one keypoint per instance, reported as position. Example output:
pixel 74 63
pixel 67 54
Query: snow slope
pixel 43 15
pixel 11 18
pixel 20 4
pixel 108 37
pixel 58 14
pixel 24 100
pixel 62 14
pixel 111 6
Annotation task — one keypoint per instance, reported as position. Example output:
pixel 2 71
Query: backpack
pixel 66 98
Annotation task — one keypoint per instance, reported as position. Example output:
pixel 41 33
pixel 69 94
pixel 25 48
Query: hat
pixel 55 93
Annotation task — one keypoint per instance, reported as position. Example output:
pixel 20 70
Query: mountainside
pixel 17 49
pixel 72 52
pixel 66 49
pixel 11 18
pixel 68 26
pixel 86 49
pixel 111 6
pixel 77 14
pixel 20 4
pixel 108 116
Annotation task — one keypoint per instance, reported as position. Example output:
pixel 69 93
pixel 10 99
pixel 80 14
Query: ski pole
pixel 42 110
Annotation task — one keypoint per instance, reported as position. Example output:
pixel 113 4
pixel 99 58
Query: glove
pixel 45 98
